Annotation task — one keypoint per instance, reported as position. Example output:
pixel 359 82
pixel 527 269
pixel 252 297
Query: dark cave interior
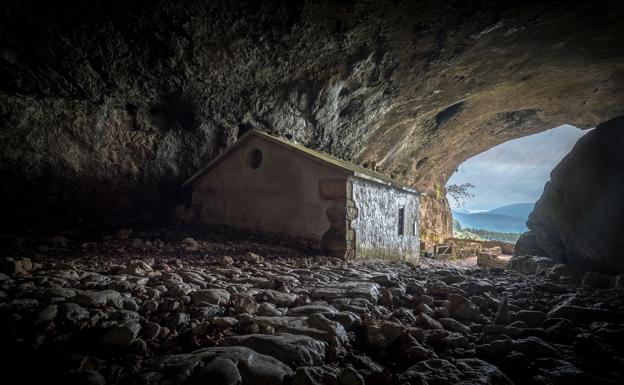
pixel 107 276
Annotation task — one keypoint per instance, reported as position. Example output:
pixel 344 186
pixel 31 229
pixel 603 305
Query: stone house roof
pixel 317 156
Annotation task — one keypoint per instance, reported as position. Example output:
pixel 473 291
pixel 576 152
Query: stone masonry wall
pixel 376 224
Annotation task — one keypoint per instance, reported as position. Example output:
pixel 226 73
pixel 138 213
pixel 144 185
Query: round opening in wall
pixel 254 160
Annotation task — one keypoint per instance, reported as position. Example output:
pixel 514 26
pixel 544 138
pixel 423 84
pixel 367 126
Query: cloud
pixel 515 171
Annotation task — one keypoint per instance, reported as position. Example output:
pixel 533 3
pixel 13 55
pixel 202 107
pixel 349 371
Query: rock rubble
pixel 274 317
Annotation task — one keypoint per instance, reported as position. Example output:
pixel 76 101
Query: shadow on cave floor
pixel 197 240
pixel 168 306
pixel 214 242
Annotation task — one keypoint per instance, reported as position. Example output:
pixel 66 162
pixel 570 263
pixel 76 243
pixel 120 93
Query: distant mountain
pixel 520 210
pixel 506 219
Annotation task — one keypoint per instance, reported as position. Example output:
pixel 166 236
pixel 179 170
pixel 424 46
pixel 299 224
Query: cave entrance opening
pixel 492 193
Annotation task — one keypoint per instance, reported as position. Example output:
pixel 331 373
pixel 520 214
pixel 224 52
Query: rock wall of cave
pixel 580 216
pixel 107 106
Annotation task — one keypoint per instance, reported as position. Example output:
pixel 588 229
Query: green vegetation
pixel 437 190
pixel 483 235
pixel 460 193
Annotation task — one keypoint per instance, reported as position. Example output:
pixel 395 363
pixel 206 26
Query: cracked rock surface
pixel 147 311
pixel 106 107
pixel 578 217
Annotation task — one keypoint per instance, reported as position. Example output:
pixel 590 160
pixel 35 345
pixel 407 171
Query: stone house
pixel 270 185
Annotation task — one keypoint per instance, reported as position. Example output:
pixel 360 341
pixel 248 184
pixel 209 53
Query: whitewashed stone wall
pixel 376 225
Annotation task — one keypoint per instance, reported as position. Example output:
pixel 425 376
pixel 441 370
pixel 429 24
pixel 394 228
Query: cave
pixel 107 108
pixel 492 194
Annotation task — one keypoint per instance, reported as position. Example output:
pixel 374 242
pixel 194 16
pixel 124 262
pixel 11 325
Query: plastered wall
pixel 280 196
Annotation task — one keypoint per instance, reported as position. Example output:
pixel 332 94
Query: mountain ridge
pixel 509 219
pixel 520 210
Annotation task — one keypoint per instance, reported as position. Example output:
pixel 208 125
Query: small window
pixel 401 220
pixel 254 160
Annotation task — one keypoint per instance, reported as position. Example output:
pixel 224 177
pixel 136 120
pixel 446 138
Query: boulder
pixel 211 296
pixel 316 375
pixel 227 365
pixel 120 337
pixel 316 326
pixel 527 245
pixel 465 371
pixel 350 376
pixel 529 264
pixel 580 215
pixel 532 318
pixel 244 303
pixel 460 307
pixel 98 298
pixel 293 350
pixel 218 371
pixel 225 260
pixel 277 298
pixel 46 315
pixel 426 322
pixel 502 316
pixel 490 260
pixel 189 244
pixel 383 334
pixel 138 268
pixel 252 258
pixel 530 346
pixel 16 266
pixel 254 368
pixel 307 310
pixel 454 326
pixel 579 314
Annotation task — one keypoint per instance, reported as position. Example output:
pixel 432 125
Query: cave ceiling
pixel 110 105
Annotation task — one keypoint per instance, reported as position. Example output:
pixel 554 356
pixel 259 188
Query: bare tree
pixel 460 193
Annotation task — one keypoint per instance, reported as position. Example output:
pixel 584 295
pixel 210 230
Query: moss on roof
pixel 316 155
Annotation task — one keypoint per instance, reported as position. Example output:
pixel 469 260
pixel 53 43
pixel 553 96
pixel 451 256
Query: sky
pixel 514 171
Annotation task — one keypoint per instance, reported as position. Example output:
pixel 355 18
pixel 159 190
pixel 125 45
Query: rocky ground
pixel 223 310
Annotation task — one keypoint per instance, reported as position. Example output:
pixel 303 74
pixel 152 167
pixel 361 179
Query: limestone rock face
pixel 580 216
pixel 527 244
pixel 107 107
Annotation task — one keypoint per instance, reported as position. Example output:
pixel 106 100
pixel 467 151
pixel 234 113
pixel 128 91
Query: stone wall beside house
pixel 376 224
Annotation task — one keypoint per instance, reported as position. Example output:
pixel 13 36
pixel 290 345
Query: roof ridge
pixel 327 159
